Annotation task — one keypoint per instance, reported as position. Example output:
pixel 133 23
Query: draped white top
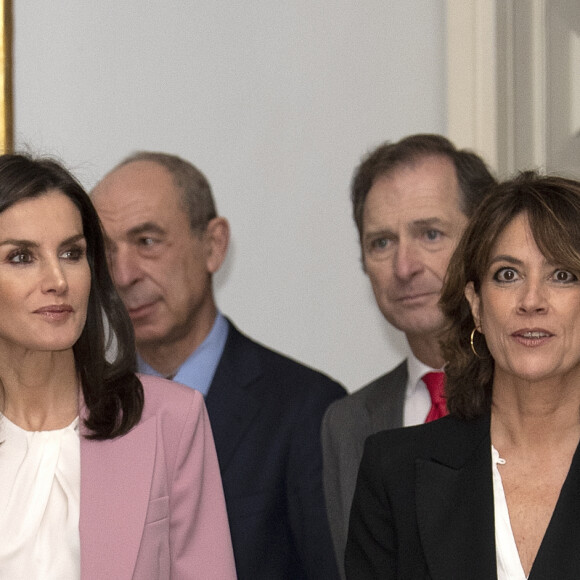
pixel 39 503
pixel 509 566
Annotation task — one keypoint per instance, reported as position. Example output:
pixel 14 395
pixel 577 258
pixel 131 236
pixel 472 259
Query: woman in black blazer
pixel 491 491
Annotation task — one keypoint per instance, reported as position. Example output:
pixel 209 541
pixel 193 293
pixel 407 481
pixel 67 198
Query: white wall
pixel 275 102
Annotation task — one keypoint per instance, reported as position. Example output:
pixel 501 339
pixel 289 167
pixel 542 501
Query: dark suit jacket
pixel 265 411
pixel 345 427
pixel 423 508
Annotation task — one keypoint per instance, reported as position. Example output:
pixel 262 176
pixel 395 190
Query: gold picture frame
pixel 6 118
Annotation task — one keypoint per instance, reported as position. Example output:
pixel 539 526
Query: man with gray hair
pixel 165 241
pixel 411 201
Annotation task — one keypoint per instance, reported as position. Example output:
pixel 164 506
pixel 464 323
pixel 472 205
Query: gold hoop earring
pixel 471 337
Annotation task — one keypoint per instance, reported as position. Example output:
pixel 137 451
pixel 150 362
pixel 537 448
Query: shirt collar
pixel 416 370
pixel 198 370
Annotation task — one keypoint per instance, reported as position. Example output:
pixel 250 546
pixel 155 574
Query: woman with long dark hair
pixel 105 474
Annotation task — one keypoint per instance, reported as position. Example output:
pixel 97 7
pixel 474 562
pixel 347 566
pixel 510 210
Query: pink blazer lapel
pixel 115 483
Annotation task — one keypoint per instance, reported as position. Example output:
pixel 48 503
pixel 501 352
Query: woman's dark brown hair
pixel 112 392
pixel 552 206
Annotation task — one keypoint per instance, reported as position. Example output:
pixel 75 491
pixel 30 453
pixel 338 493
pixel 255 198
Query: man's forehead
pixel 420 191
pixel 426 172
pixel 130 220
pixel 422 204
pixel 140 186
pixel 139 179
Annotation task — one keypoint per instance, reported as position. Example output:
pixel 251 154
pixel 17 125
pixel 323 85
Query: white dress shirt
pixel 39 503
pixel 509 566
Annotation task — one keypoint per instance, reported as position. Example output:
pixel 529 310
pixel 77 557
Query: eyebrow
pixel 31 244
pixel 144 228
pixel 416 224
pixel 505 258
pixel 429 222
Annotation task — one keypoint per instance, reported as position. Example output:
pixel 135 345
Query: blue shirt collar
pixel 198 370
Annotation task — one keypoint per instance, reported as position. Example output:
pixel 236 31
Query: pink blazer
pixel 152 504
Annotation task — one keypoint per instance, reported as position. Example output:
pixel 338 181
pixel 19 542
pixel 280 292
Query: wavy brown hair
pixel 552 206
pixel 112 392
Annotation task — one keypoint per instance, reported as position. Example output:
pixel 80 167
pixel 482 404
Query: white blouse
pixel 509 566
pixel 39 503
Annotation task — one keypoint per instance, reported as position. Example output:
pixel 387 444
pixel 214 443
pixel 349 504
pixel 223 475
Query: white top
pixel 509 566
pixel 39 503
pixel 417 397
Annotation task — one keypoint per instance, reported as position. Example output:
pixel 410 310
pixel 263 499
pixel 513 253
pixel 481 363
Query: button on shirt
pixel 417 398
pixel 198 370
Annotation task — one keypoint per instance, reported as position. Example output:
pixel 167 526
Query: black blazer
pixel 265 411
pixel 423 508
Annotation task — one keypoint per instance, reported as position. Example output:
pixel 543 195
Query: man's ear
pixel 475 304
pixel 217 239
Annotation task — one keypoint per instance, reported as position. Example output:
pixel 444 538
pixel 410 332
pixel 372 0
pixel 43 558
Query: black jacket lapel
pixel 559 553
pixel 230 403
pixel 455 503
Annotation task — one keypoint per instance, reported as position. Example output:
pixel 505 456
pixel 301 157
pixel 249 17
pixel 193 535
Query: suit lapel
pixel 455 503
pixel 386 401
pixel 230 403
pixel 559 553
pixel 115 482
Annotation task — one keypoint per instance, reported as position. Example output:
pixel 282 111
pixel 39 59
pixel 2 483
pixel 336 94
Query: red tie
pixel 436 385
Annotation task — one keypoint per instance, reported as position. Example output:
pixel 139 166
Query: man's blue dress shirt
pixel 198 370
